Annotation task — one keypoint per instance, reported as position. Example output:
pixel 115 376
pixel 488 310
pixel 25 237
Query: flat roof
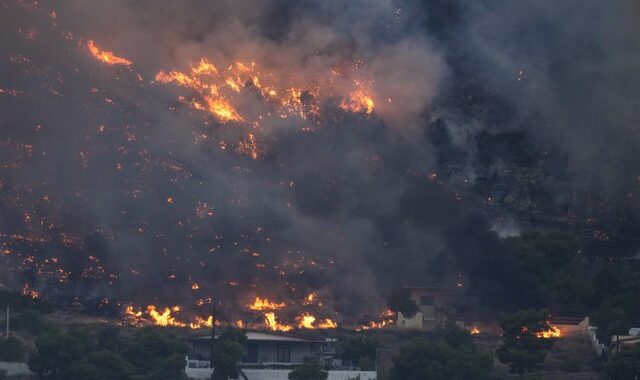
pixel 267 337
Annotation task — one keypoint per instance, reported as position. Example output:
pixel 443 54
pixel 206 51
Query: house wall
pixel 433 306
pixel 267 351
pixel 266 374
pixel 573 330
pixel 279 374
pixel 409 323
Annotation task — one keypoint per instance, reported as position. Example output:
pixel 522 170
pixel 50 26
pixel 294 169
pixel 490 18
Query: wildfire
pixel 327 324
pixel 553 332
pixel 261 304
pixel 305 321
pixel 249 147
pixel 201 322
pixel 165 317
pixel 386 319
pixel 30 292
pixel 309 299
pixel 105 56
pixel 475 330
pixel 272 323
pixel 359 100
pixel 205 80
pixel 220 92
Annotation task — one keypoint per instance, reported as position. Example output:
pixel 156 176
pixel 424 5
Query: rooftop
pixel 261 336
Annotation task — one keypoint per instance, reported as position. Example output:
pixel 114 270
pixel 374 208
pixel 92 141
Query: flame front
pixel 220 92
pixel 261 304
pixel 166 317
pixel 105 56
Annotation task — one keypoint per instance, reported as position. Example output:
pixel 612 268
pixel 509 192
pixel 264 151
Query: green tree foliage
pixel 624 365
pixel 100 365
pixel 522 350
pixel 78 354
pixel 310 370
pixel 56 352
pixel 400 301
pixel 30 321
pixel 617 286
pixel 108 338
pixel 361 351
pixel 436 360
pixel 556 260
pixel 150 349
pixel 18 302
pixel 228 351
pixel 12 350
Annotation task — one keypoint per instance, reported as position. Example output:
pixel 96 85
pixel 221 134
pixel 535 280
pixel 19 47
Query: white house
pixel 272 357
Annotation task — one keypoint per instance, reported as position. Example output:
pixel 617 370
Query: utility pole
pixel 213 333
pixel 7 334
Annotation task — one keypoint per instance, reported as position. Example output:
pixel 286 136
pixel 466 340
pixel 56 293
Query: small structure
pixel 436 306
pixel 271 356
pixel 624 342
pixel 266 349
pixel 571 326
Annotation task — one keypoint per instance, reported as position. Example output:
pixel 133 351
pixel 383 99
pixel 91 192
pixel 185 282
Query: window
pixel 283 354
pixel 426 300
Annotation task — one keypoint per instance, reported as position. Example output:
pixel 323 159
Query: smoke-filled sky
pixel 488 117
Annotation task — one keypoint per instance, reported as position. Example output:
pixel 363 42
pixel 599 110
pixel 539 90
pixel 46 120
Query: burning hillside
pixel 286 164
pixel 154 163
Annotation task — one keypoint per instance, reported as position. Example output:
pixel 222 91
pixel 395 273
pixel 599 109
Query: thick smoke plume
pixel 112 185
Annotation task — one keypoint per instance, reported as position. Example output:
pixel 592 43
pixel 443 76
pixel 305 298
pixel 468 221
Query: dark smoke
pixel 356 195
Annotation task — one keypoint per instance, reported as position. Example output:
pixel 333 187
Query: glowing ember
pixel 105 56
pixel 29 292
pixel 309 299
pixel 249 147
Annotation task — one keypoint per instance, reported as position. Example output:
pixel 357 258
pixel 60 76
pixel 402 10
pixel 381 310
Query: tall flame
pixel 272 323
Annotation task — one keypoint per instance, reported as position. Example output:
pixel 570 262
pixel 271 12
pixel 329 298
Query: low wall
pixel 283 374
pixel 280 374
pixel 15 369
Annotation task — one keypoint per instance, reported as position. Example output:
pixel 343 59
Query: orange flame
pixel 105 56
pixel 359 100
pixel 307 321
pixel 475 330
pixel 219 89
pixel 265 304
pixel 553 332
pixel 386 319
pixel 272 323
